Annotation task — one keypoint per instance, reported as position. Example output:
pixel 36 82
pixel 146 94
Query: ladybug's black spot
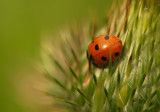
pixel 103 58
pixel 106 37
pixel 97 47
pixel 91 58
pixel 116 54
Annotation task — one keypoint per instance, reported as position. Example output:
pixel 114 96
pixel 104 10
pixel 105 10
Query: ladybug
pixel 102 47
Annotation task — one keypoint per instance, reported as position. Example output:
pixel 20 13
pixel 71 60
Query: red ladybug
pixel 100 48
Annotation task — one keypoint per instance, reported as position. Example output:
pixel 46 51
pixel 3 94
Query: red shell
pixel 99 50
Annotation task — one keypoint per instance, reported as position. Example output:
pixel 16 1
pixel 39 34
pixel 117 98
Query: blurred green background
pixel 22 23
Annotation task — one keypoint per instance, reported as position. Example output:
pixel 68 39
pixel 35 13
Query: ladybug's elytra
pixel 100 48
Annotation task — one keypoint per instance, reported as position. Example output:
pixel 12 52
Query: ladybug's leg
pixel 87 54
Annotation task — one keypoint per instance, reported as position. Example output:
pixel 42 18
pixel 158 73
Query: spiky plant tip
pixel 131 84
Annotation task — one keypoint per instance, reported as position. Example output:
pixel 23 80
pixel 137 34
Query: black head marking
pixel 103 58
pixel 106 37
pixel 116 54
pixel 96 47
pixel 91 58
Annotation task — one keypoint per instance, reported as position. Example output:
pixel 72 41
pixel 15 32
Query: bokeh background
pixel 22 24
